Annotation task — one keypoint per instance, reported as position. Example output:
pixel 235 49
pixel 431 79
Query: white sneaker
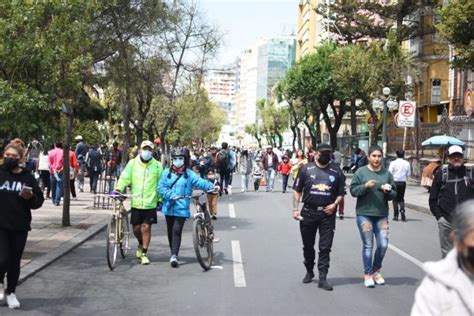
pixel 369 280
pixel 12 301
pixel 2 293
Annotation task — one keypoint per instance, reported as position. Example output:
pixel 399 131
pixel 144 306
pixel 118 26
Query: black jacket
pixel 15 212
pixel 445 197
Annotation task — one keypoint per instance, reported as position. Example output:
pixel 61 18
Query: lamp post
pixel 388 105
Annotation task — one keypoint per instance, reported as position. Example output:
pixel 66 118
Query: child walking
pixel 285 169
pixel 257 172
pixel 212 197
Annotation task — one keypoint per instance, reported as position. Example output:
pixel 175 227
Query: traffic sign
pixel 406 114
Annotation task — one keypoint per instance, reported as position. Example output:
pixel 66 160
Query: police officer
pixel 322 187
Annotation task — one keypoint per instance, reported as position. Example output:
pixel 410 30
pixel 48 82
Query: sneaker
pixel 308 277
pixel 369 281
pixel 283 191
pixel 341 217
pixel 144 259
pixel 12 301
pixel 174 261
pixel 242 190
pixel 395 218
pixel 378 278
pixel 139 252
pixel 2 292
pixel 404 218
pixel 214 217
pixel 323 284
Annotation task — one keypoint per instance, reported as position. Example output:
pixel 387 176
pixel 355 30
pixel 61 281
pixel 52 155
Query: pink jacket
pixel 55 158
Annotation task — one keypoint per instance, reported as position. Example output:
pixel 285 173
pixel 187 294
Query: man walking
pixel 142 174
pixel 270 165
pixel 322 187
pixel 56 165
pixel 94 166
pixel 400 169
pixel 452 185
pixel 222 164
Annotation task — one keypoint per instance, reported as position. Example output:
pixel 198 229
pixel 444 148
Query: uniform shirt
pixel 320 186
pixel 400 169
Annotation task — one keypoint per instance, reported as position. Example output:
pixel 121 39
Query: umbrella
pixel 441 141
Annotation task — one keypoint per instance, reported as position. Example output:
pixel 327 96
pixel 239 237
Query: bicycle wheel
pixel 203 245
pixel 125 235
pixel 111 242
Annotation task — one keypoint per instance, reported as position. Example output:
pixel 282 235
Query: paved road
pixel 270 247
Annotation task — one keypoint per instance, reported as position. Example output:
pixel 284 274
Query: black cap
pixel 324 147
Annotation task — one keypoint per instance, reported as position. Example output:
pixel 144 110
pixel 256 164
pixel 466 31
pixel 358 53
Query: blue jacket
pixel 184 186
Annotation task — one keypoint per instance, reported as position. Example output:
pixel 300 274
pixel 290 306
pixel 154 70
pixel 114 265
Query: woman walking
pixel 19 193
pixel 43 169
pixel 373 186
pixel 245 168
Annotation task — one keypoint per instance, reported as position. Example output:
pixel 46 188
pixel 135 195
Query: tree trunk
pixel 353 118
pixel 333 137
pixel 66 219
pixel 293 143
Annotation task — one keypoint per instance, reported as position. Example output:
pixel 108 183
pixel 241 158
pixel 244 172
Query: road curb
pixel 42 262
pixel 418 208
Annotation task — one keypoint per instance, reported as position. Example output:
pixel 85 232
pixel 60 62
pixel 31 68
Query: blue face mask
pixel 178 162
pixel 146 155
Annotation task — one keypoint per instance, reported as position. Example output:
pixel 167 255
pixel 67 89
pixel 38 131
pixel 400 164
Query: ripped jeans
pixel 370 226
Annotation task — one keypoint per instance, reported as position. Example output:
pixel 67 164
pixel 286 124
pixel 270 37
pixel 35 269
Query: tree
pixel 254 130
pixel 458 27
pixel 352 20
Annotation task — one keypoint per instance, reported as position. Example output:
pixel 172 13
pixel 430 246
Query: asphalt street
pixel 257 269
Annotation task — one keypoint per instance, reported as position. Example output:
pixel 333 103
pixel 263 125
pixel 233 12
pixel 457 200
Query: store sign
pixel 407 114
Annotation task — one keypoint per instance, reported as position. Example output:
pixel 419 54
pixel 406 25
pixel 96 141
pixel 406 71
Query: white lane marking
pixel 231 211
pixel 239 275
pixel 234 227
pixel 217 267
pixel 406 256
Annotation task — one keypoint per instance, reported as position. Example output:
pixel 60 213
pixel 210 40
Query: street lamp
pixel 389 105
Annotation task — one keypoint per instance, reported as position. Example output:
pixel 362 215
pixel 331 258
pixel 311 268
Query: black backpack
pixel 223 160
pixel 467 178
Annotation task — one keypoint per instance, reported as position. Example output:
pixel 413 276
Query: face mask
pixel 10 163
pixel 470 255
pixel 211 177
pixel 178 162
pixel 324 158
pixel 146 155
pixel 285 160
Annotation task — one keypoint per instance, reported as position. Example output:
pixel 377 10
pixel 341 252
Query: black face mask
pixel 324 158
pixel 470 255
pixel 10 163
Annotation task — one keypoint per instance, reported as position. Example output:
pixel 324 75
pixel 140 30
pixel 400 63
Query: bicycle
pixel 203 232
pixel 118 230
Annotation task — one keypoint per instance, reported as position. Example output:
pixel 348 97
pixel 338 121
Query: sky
pixel 243 22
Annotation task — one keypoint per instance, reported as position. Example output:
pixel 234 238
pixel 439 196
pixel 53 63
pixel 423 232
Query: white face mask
pixel 146 155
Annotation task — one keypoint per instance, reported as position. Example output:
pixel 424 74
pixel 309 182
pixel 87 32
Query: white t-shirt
pixel 43 163
pixel 400 169
pixel 270 160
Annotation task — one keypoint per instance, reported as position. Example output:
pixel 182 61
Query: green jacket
pixel 143 179
pixel 372 202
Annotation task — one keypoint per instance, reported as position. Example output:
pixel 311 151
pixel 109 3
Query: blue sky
pixel 244 21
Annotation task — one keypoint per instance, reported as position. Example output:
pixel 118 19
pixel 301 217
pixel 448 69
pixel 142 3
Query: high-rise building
pixel 312 27
pixel 260 68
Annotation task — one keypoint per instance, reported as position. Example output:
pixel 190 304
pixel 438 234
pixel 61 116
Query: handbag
pixel 262 182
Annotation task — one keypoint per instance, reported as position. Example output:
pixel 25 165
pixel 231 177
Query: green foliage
pixel 457 25
pixel 89 131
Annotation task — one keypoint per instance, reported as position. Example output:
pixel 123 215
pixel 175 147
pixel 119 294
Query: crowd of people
pixel 319 182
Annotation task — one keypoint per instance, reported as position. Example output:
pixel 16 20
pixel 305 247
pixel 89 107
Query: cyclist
pixel 179 181
pixel 142 174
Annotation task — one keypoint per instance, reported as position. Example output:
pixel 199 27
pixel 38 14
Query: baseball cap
pixel 455 149
pixel 78 137
pixel 147 143
pixel 324 147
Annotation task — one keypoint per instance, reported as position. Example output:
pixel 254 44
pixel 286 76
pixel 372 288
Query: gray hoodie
pixel 445 290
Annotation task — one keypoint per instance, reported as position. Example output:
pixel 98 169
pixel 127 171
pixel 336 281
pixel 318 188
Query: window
pixel 435 91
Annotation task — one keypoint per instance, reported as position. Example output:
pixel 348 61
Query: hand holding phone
pixel 26 192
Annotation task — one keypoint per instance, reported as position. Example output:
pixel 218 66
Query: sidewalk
pixel 416 197
pixel 48 240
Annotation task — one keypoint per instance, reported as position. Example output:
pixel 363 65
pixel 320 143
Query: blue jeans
pixel 370 227
pixel 56 188
pixel 270 178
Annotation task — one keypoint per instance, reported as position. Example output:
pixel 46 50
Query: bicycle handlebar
pixel 192 196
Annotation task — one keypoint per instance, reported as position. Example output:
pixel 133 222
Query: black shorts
pixel 139 217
